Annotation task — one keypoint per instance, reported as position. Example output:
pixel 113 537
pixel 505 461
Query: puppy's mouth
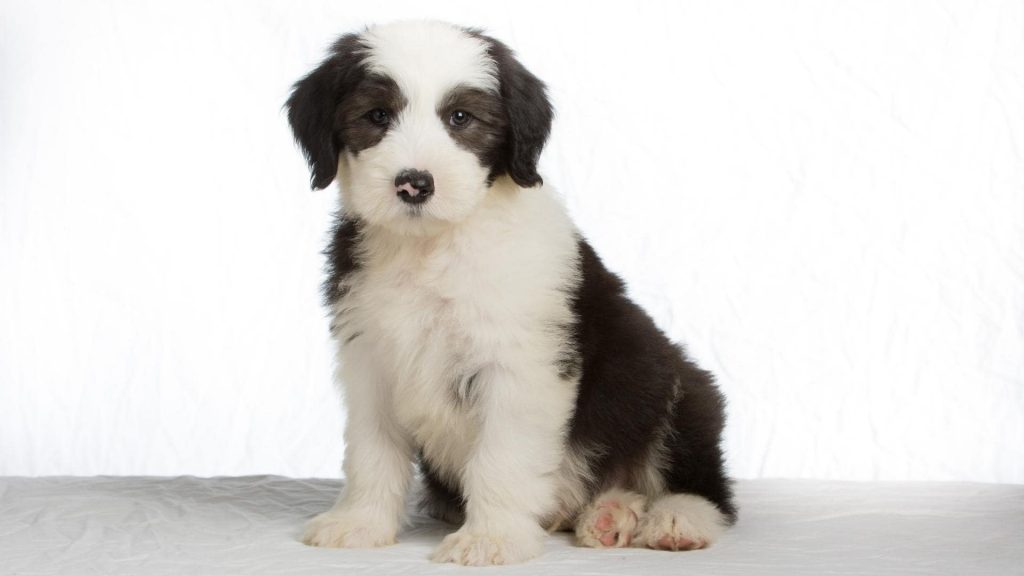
pixel 414 210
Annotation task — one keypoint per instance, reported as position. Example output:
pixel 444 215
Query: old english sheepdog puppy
pixel 478 333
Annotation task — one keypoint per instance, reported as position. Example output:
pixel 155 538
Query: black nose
pixel 414 186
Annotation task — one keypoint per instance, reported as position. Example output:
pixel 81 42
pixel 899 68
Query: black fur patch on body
pixel 342 258
pixel 638 389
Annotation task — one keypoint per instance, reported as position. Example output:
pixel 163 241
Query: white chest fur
pixel 429 322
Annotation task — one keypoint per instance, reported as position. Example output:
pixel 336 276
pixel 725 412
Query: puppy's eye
pixel 460 118
pixel 379 116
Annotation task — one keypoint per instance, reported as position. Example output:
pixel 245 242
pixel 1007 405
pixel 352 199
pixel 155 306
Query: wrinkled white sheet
pixel 251 525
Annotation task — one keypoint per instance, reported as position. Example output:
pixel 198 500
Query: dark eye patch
pixel 483 105
pixel 356 128
pixel 484 136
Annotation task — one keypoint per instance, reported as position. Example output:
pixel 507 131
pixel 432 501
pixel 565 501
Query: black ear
pixel 313 108
pixel 529 114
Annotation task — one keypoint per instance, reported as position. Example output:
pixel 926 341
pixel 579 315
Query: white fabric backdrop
pixel 824 200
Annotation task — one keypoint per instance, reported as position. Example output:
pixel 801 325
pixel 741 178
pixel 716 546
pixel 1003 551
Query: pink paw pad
pixel 605 525
pixel 613 526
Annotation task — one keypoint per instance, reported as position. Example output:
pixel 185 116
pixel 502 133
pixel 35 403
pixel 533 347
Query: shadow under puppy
pixel 478 332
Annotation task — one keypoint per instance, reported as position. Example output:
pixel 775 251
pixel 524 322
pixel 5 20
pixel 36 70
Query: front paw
pixel 486 548
pixel 345 530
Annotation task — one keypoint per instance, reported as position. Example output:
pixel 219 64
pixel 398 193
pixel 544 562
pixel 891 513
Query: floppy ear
pixel 313 108
pixel 529 114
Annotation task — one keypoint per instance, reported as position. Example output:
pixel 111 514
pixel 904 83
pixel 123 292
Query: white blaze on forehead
pixel 427 59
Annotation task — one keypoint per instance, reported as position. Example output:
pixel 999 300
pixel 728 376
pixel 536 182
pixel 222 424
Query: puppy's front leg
pixel 377 467
pixel 509 480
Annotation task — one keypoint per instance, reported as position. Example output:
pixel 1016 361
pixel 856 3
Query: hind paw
pixel 611 520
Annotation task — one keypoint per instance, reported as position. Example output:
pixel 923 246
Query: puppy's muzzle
pixel 414 186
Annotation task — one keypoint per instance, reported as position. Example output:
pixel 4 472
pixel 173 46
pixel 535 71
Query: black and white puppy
pixel 478 333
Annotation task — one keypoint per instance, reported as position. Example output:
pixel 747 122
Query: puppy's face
pixel 416 120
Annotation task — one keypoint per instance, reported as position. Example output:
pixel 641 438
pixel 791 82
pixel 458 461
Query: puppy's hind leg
pixel 697 503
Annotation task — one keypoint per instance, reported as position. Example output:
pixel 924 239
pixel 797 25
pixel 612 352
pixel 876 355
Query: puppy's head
pixel 417 119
